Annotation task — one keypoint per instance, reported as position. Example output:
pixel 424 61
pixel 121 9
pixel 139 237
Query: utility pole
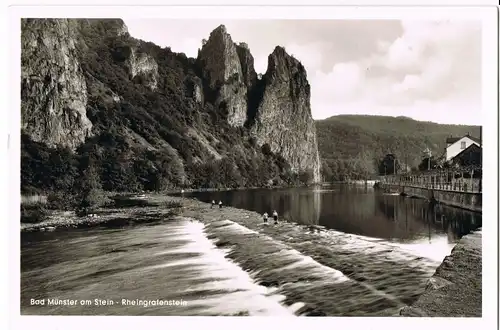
pixel 406 163
pixel 429 155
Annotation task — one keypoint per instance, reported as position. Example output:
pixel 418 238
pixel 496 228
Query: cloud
pixel 342 84
pixel 433 71
pixel 448 110
pixel 437 56
pixel 308 54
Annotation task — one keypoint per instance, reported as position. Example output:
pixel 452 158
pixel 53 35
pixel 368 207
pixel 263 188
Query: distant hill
pixel 349 141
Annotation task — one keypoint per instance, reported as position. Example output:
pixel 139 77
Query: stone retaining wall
pixel 465 200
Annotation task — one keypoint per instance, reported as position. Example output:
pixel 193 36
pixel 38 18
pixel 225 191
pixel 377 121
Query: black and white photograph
pixel 293 167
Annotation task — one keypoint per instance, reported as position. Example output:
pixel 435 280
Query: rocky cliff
pixel 144 67
pixel 153 118
pixel 278 108
pixel 54 91
pixel 222 70
pixel 283 118
pixel 247 65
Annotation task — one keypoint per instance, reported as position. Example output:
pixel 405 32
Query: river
pixel 380 249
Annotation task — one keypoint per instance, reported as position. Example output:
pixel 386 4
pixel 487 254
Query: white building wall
pixel 456 148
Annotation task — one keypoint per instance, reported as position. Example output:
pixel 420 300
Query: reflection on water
pixel 377 257
pixel 358 210
pixel 301 206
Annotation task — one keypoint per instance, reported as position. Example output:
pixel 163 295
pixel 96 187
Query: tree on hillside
pixel 63 169
pixel 364 165
pixel 326 171
pixel 389 165
pixel 344 137
pixel 339 170
pixel 205 175
pixel 88 186
pixel 428 163
pixel 305 177
pixel 405 165
pixel 118 175
pixel 334 167
pixel 228 173
pixel 129 117
pixel 171 168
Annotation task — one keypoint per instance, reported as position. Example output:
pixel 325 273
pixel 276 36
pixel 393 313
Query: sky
pixel 426 70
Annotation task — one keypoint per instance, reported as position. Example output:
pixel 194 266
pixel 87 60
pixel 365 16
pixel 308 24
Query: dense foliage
pixel 162 138
pixel 148 139
pixel 358 146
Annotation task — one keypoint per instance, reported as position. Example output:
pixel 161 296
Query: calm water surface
pixel 376 256
pixel 433 230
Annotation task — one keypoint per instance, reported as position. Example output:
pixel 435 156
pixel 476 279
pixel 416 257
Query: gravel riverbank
pixel 455 290
pixel 384 284
pixel 154 208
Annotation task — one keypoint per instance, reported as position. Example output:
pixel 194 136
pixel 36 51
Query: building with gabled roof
pixel 455 145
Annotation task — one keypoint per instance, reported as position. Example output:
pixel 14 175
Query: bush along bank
pixel 95 209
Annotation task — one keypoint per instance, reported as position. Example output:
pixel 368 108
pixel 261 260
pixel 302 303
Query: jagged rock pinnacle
pixel 220 29
pixel 222 72
pixel 286 103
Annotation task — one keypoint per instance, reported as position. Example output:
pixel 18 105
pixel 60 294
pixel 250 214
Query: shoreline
pixel 448 291
pixel 460 207
pixel 463 208
pixel 155 210
pixel 43 196
pixel 59 219
pixel 455 289
pixel 325 280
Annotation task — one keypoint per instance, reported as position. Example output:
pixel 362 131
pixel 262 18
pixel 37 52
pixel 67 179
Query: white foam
pixel 390 250
pixel 329 274
pixel 427 249
pixel 239 228
pixel 239 292
pixel 337 240
pixel 233 303
pixel 296 306
pixel 298 259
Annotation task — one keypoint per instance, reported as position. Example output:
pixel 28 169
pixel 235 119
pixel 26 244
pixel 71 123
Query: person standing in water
pixel 220 204
pixel 265 217
pixel 275 216
pixel 213 204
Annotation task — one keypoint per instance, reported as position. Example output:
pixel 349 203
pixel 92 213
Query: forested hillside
pixel 351 146
pixel 122 114
pixel 103 110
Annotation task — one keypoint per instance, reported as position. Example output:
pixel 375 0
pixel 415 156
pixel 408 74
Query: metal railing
pixel 457 185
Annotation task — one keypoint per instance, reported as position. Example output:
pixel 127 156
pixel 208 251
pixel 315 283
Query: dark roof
pixel 474 139
pixel 469 148
pixel 455 139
